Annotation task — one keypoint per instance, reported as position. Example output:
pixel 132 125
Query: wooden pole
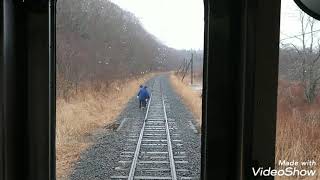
pixel 181 66
pixel 184 65
pixel 186 71
pixel 191 69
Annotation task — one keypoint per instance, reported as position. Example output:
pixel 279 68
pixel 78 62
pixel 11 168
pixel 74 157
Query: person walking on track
pixel 138 96
pixel 143 96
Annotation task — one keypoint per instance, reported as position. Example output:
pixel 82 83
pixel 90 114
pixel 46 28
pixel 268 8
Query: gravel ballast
pixel 105 159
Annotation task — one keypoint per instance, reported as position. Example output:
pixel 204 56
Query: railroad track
pixel 154 151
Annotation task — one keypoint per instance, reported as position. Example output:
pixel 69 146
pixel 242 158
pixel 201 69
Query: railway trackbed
pixel 156 150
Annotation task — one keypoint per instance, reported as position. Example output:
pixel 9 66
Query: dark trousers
pixel 142 103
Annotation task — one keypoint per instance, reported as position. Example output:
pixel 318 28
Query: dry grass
pixel 191 98
pixel 298 128
pixel 85 112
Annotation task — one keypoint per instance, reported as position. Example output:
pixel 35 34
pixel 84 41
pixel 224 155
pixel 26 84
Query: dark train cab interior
pixel 241 52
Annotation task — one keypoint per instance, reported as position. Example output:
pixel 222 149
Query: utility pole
pixel 191 61
pixel 181 66
pixel 186 70
pixel 184 65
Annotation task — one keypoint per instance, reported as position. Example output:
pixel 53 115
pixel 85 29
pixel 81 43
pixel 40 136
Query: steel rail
pixel 169 145
pixel 172 165
pixel 137 151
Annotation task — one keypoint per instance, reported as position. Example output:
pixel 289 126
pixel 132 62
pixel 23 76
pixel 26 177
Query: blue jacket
pixel 143 94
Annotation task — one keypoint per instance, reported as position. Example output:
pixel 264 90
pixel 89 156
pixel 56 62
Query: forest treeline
pixel 98 42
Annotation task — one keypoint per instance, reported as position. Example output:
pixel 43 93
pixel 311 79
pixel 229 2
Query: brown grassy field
pixel 190 98
pixel 298 127
pixel 85 112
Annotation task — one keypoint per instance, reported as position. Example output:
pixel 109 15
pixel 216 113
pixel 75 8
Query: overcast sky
pixel 179 23
pixel 290 24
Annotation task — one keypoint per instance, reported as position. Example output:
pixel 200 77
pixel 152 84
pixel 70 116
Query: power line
pixel 290 37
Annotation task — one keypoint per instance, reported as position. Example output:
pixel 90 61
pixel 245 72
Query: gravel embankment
pixel 101 160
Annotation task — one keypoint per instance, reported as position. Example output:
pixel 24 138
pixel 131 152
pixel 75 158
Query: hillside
pixel 99 42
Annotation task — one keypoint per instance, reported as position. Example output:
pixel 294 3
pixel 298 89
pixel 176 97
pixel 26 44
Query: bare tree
pixel 98 42
pixel 305 57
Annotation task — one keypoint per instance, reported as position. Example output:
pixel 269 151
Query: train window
pixel 298 109
pixel 129 89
